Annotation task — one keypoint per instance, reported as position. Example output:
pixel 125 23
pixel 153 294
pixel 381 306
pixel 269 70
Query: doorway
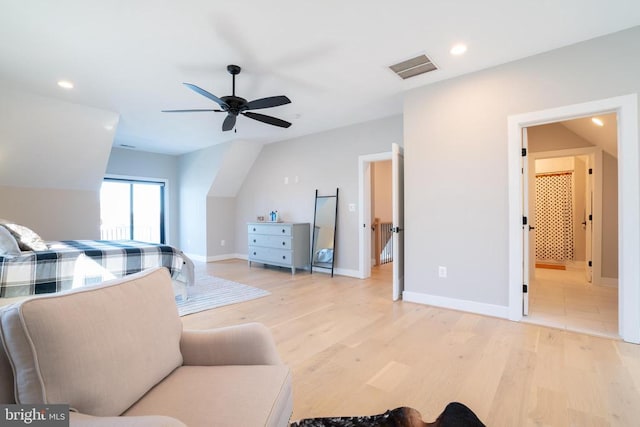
pixel 132 210
pixel 573 260
pixel 628 204
pixel 395 245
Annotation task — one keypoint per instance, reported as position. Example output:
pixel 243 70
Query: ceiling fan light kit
pixel 234 105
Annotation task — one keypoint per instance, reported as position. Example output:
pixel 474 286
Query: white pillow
pixel 8 244
pixel 28 240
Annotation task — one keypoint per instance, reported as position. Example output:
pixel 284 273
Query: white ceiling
pixel 330 57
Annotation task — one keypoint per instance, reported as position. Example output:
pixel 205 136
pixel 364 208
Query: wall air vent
pixel 413 67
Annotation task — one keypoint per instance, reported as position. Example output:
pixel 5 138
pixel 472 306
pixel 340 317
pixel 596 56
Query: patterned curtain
pixel 554 217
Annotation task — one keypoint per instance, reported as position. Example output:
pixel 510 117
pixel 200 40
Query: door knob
pixel 531 228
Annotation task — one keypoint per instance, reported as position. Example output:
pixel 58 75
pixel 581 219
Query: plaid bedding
pixel 73 263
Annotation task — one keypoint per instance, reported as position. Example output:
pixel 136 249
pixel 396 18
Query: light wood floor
pixel 354 352
pixel 564 299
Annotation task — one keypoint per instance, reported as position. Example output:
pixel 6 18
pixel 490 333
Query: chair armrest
pixel 248 344
pixel 77 419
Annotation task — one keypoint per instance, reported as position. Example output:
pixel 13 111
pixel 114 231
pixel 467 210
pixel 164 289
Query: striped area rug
pixel 211 292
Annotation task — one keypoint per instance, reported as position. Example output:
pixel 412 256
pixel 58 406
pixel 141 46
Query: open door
pixel 397 183
pixel 526 227
pixel 588 219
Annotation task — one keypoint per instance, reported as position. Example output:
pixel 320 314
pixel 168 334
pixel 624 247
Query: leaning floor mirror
pixel 324 232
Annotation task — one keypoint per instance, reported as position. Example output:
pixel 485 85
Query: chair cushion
pixel 6 379
pixel 222 396
pixel 100 348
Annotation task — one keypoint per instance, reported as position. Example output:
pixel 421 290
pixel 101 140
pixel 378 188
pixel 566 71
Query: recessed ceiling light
pixel 108 127
pixel 458 49
pixel 597 121
pixel 65 84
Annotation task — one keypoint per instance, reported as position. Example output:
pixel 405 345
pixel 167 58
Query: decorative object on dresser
pixel 325 218
pixel 283 244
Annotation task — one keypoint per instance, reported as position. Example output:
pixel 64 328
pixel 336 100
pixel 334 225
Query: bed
pixel 68 264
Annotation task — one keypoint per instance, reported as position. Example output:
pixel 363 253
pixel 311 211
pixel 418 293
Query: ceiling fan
pixel 234 105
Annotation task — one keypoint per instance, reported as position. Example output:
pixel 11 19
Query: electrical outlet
pixel 222 242
pixel 442 272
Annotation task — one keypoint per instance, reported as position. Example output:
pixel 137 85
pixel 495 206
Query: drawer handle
pixel 284 243
pixel 284 257
pixel 254 229
pixel 254 253
pixel 283 230
pixel 254 240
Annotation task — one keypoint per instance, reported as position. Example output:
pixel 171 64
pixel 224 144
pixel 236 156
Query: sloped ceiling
pixel 605 137
pixel 48 143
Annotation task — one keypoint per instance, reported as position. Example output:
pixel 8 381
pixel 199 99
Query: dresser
pixel 283 244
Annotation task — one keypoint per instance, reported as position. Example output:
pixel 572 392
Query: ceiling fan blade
pixel 267 119
pixel 272 101
pixel 207 94
pixel 189 111
pixel 229 122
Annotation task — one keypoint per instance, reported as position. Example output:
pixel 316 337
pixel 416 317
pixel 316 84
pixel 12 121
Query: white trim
pixel 626 108
pixel 346 272
pixel 364 268
pixel 223 257
pixel 194 257
pixel 596 244
pixel 457 304
pixel 337 272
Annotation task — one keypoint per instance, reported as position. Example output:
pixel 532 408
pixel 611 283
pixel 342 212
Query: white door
pixel 397 184
pixel 526 248
pixel 589 219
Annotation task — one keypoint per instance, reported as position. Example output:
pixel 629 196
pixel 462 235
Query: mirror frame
pixel 313 233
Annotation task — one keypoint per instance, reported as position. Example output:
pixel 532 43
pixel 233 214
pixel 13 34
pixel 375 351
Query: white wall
pixel 196 173
pixel 55 214
pixel 53 155
pixel 456 192
pixel 323 161
pixel 142 164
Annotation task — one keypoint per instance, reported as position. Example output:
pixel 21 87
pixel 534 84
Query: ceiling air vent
pixel 413 67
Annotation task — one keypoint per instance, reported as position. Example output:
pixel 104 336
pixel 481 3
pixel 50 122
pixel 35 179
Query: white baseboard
pixel 223 257
pixel 457 304
pixel 202 258
pixel 338 272
pixel 194 257
pixel 609 281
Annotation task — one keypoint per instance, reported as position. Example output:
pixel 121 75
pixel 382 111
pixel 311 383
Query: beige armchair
pixel 117 354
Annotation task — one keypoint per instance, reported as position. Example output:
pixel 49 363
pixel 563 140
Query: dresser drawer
pixel 270 255
pixel 271 229
pixel 270 241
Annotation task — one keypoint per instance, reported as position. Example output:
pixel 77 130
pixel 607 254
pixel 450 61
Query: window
pixel 132 210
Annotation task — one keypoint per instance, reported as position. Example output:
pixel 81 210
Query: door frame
pixel 596 240
pixel 364 214
pixel 626 108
